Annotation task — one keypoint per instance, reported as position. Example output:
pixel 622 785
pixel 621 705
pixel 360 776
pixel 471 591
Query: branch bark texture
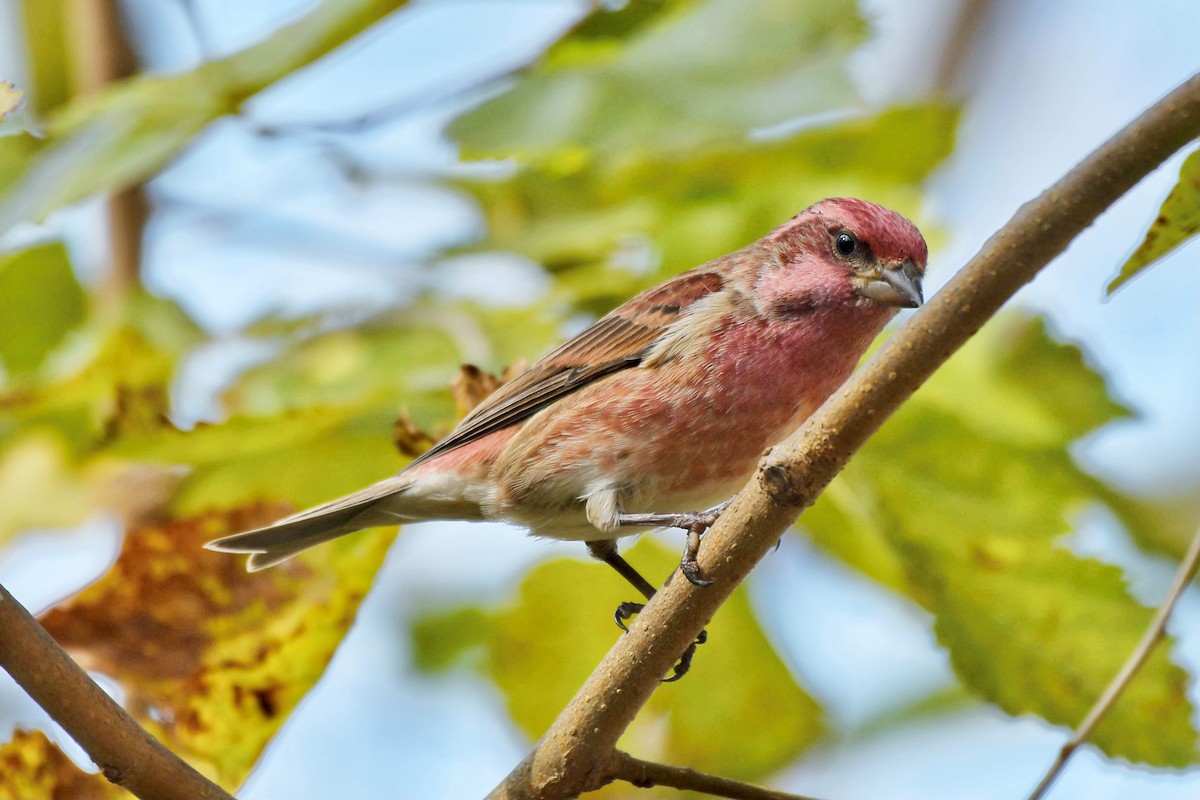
pixel 126 753
pixel 578 752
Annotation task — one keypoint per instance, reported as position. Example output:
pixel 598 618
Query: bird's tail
pixel 283 539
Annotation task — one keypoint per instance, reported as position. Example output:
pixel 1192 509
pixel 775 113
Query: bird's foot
pixel 694 522
pixel 627 611
pixel 700 520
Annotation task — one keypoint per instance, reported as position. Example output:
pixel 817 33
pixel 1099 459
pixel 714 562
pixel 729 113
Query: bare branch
pixel 645 774
pixel 102 55
pixel 126 753
pixel 1153 635
pixel 577 752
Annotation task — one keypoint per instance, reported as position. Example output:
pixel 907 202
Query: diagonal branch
pixel 578 752
pixel 1153 635
pixel 126 753
pixel 645 774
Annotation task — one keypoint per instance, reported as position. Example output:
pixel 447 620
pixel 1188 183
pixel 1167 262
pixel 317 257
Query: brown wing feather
pixel 616 341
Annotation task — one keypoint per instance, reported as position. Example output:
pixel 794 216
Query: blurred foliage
pixel 655 91
pixel 638 154
pixel 1177 222
pixel 541 644
pixel 960 502
pixel 31 766
pixel 40 302
pixel 51 69
pixel 670 217
pixel 125 134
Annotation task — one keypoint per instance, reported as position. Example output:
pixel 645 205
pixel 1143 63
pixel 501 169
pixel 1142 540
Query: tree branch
pixel 645 774
pixel 1153 635
pixel 102 55
pixel 577 753
pixel 126 753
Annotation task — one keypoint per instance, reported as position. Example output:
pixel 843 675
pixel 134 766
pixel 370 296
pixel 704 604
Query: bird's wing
pixel 617 341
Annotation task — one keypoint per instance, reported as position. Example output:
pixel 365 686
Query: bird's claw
pixel 626 612
pixel 685 661
pixel 687 564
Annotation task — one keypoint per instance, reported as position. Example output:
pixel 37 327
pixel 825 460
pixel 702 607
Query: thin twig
pixel 572 755
pixel 126 753
pixel 645 774
pixel 1153 635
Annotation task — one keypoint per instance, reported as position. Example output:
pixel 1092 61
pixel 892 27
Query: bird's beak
pixel 898 286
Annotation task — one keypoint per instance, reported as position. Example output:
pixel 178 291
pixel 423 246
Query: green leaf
pixel 959 502
pixel 1037 630
pixel 40 302
pixel 45 36
pixel 120 386
pixel 304 458
pixel 58 425
pixel 585 225
pixel 541 645
pixel 380 362
pixel 607 26
pixel 127 133
pixel 1177 221
pixel 656 90
pixel 443 639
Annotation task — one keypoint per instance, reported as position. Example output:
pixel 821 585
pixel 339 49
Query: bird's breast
pixel 683 434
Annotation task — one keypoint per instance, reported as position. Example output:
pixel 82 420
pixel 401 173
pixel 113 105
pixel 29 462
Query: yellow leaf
pixel 210 658
pixel 541 645
pixel 10 99
pixel 1178 221
pixel 32 766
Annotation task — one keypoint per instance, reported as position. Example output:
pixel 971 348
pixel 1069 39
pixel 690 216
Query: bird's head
pixel 842 252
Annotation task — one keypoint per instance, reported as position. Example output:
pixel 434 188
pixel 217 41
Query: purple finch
pixel 665 404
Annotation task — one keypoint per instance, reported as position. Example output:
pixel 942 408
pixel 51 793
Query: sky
pixel 1051 81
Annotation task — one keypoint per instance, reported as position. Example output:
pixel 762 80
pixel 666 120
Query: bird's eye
pixel 845 244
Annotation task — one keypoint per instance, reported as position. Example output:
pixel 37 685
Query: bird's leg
pixel 606 551
pixel 694 522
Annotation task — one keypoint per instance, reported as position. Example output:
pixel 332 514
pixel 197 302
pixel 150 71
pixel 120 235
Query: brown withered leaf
pixel 32 766
pixel 470 387
pixel 211 658
pixel 410 439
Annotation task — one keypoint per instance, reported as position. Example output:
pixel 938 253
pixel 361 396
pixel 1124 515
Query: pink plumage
pixel 665 404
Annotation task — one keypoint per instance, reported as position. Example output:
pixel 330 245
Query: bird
pixel 659 409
